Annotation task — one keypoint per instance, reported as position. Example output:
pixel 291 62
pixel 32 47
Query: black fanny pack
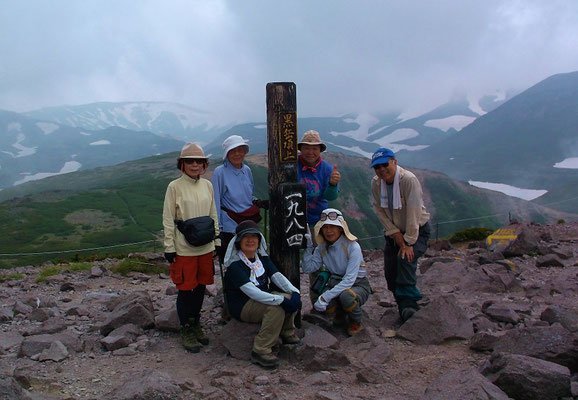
pixel 197 231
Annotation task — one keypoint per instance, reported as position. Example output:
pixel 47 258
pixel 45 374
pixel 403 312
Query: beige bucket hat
pixel 192 150
pixel 311 137
pixel 332 217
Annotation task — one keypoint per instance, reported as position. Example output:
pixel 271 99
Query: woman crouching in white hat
pixel 344 288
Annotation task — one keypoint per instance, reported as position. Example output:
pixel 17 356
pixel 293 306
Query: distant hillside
pixel 33 149
pixel 121 204
pixel 166 119
pixel 518 143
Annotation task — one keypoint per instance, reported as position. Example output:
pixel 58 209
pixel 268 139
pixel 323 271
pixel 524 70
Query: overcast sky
pixel 344 56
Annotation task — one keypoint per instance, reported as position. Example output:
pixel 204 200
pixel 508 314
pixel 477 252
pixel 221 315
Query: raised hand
pixel 335 176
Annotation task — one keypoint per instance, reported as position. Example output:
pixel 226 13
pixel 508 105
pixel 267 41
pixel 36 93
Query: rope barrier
pixel 75 251
pixel 152 241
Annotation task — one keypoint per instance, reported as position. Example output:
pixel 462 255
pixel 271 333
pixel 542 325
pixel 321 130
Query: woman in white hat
pixel 344 288
pixel 234 188
pixel 189 203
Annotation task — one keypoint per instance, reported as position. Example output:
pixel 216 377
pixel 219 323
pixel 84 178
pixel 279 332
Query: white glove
pixel 308 240
pixel 320 305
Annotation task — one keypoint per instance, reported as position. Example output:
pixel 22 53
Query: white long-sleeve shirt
pixel 343 258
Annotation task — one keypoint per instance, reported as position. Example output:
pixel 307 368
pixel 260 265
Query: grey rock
pixel 147 385
pixel 168 320
pixel 502 313
pixel 237 337
pixel 51 325
pixel 121 337
pixel 6 314
pixel 527 377
pixel 9 340
pixel 567 317
pixel 553 343
pixel 526 242
pixel 137 308
pixel 549 260
pixel 33 345
pixel 466 384
pixel 41 314
pixel 318 338
pixel 442 319
pixel 56 352
pixel 10 389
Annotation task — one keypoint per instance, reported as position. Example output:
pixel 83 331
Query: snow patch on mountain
pixel 85 133
pixel 458 122
pixel 570 163
pixel 99 143
pixel 474 104
pixel 23 150
pixel 525 194
pixel 69 166
pixel 355 149
pixel 260 126
pixel 365 122
pixel 47 127
pixel 399 135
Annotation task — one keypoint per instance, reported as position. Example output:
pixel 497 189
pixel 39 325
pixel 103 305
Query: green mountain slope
pixel 123 204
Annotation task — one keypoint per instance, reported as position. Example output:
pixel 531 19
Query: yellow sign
pixel 288 137
pixel 502 236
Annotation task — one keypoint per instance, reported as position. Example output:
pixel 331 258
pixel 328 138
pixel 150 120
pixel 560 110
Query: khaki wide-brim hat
pixel 340 221
pixel 311 137
pixel 192 150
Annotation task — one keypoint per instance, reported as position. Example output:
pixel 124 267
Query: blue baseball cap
pixel 381 156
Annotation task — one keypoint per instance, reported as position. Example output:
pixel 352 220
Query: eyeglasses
pixel 378 166
pixel 332 215
pixel 193 161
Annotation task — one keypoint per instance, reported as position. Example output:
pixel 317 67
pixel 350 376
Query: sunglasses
pixel 193 161
pixel 332 215
pixel 378 166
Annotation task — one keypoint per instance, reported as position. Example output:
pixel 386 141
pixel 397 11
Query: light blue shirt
pixel 233 190
pixel 343 258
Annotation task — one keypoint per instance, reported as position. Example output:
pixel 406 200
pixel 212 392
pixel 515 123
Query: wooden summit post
pixel 287 202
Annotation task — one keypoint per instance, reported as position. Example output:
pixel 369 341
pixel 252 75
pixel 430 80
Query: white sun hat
pixel 232 142
pixel 332 216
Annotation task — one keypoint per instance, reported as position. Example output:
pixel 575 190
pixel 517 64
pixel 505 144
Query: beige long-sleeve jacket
pixel 187 198
pixel 412 214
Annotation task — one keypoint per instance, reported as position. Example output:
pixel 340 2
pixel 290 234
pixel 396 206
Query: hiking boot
pixel 291 339
pixel 198 331
pixel 407 313
pixel 190 342
pixel 269 360
pixel 354 328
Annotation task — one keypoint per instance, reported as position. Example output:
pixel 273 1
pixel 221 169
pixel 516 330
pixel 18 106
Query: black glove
pixel 261 203
pixel 291 305
pixel 296 298
pixel 170 257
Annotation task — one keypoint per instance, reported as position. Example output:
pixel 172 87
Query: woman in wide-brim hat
pixel 191 267
pixel 248 291
pixel 347 287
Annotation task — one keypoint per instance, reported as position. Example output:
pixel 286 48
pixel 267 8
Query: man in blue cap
pixel 398 203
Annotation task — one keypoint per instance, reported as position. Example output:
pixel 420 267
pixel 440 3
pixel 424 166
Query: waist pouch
pixel 251 213
pixel 197 231
pixel 320 282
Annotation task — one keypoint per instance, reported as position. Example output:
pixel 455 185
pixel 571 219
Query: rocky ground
pixel 494 324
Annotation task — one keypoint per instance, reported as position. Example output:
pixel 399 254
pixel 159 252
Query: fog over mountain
pixel 217 56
